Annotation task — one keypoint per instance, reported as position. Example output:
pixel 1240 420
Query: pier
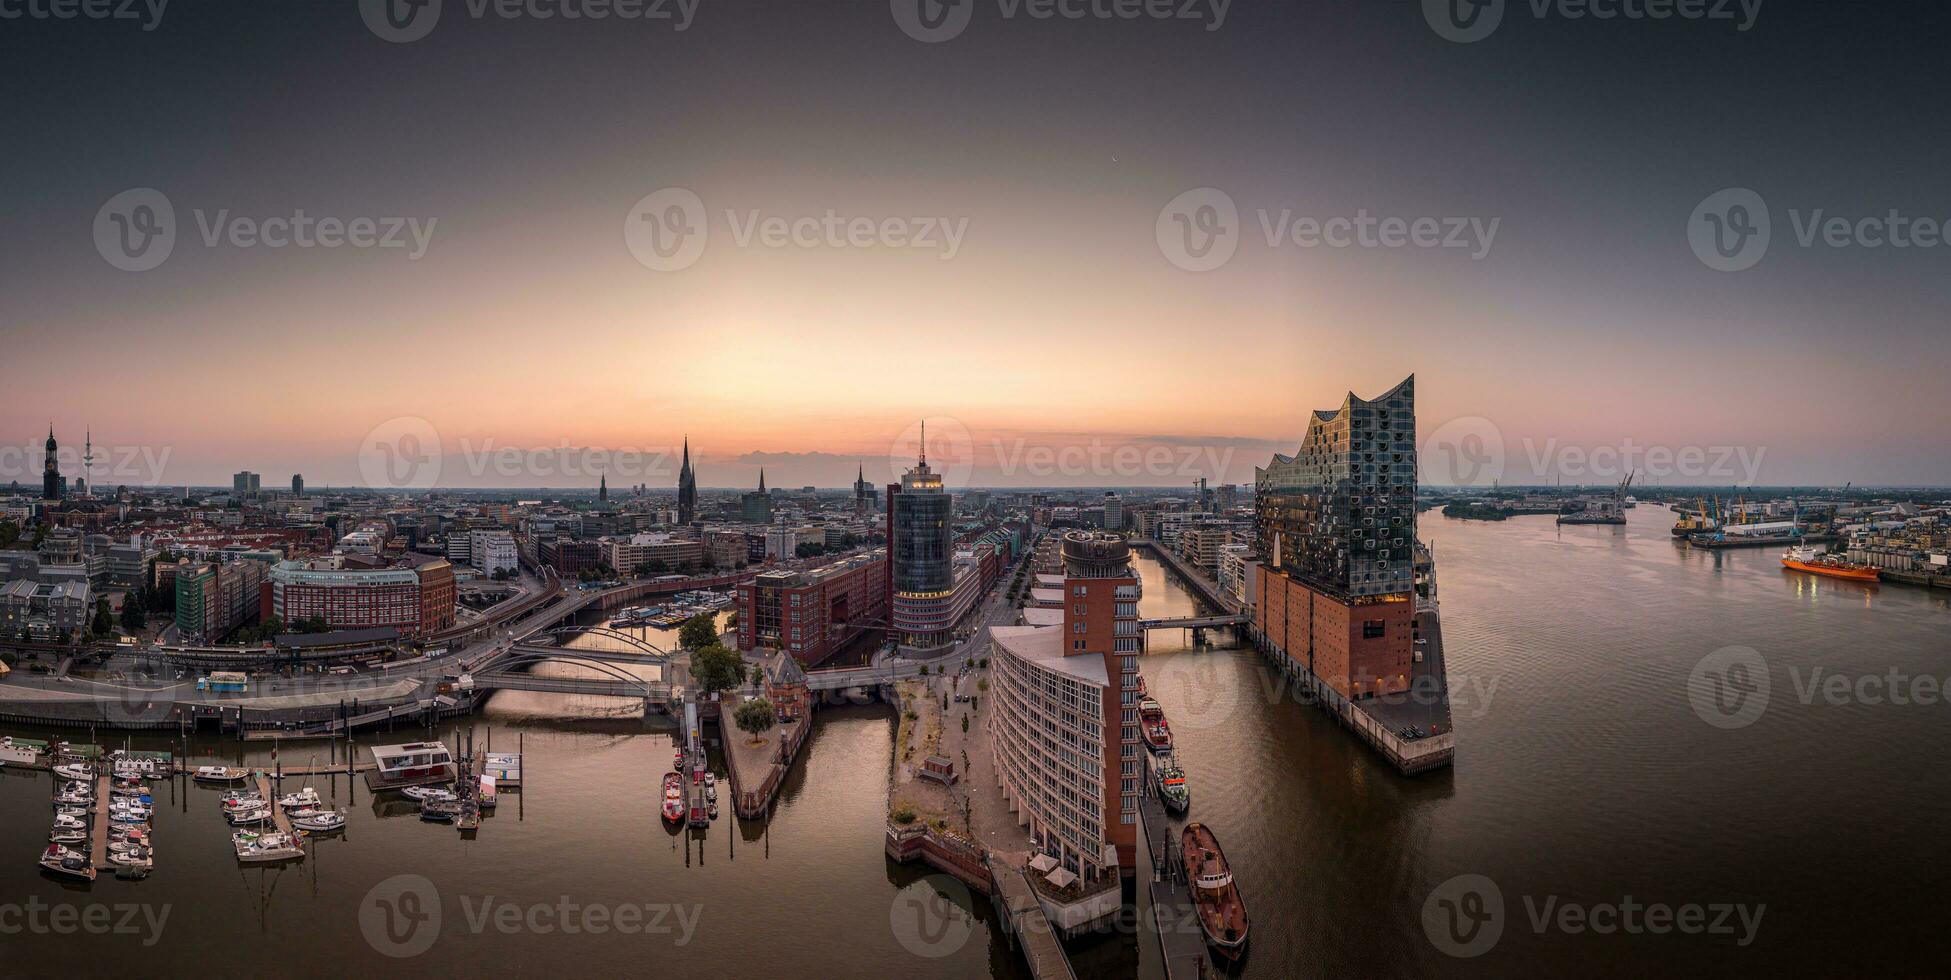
pixel 98 844
pixel 1175 920
pixel 278 817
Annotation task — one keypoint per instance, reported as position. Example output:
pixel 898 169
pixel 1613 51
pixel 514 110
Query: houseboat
pixel 412 764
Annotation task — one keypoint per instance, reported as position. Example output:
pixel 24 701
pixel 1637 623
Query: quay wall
pixel 949 855
pixel 1409 757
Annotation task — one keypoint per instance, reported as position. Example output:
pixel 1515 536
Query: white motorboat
pixel 242 801
pixel 135 858
pixel 711 780
pixel 63 861
pixel 219 774
pixel 268 848
pixel 77 812
pixel 711 793
pixel 74 770
pixel 68 837
pixel 303 798
pixel 427 794
pixel 321 821
pixel 64 822
pixel 247 815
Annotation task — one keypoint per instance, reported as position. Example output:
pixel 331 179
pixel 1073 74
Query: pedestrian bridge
pixel 1194 622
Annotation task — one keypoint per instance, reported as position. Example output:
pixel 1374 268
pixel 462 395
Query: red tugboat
pixel 1222 915
pixel 673 797
pixel 1151 718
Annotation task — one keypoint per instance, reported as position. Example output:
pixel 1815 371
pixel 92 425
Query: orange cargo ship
pixel 1815 563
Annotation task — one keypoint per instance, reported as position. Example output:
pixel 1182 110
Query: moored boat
pixel 321 821
pixel 1151 719
pixel 1817 562
pixel 267 848
pixel 74 770
pixel 673 797
pixel 1222 913
pixel 1172 788
pixel 63 861
pixel 219 774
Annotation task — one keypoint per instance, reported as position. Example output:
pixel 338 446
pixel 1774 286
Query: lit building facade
pixel 1336 530
pixel 921 552
pixel 415 601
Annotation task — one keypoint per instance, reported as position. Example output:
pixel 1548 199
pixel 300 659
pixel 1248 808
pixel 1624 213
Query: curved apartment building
pixel 1065 727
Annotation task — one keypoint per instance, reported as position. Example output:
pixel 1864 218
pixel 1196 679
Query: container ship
pixel 1222 914
pixel 1818 563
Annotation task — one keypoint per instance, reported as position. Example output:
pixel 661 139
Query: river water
pixel 1585 779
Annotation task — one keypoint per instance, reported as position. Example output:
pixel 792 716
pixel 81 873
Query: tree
pixel 755 718
pixel 9 533
pixel 104 624
pixel 699 632
pixel 758 675
pixel 133 618
pixel 716 668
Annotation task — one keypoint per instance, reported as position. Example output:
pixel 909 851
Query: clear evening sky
pixel 1056 143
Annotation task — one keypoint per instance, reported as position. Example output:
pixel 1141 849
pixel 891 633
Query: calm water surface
pixel 1583 776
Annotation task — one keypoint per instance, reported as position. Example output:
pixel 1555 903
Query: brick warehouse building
pixel 1336 530
pixel 812 614
pixel 415 601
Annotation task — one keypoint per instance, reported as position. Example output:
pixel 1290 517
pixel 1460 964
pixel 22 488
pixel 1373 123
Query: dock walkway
pixel 278 818
pixel 1174 918
pixel 1030 927
pixel 99 842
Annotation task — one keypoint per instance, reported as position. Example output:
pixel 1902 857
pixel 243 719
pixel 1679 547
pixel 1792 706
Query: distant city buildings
pixel 297 485
pixel 244 484
pixel 756 507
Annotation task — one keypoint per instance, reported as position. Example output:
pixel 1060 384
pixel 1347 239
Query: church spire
pixel 761 479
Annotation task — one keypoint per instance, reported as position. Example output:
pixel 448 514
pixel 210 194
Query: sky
pixel 584 239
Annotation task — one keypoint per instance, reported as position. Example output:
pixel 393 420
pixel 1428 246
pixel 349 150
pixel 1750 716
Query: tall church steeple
pixel 687 488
